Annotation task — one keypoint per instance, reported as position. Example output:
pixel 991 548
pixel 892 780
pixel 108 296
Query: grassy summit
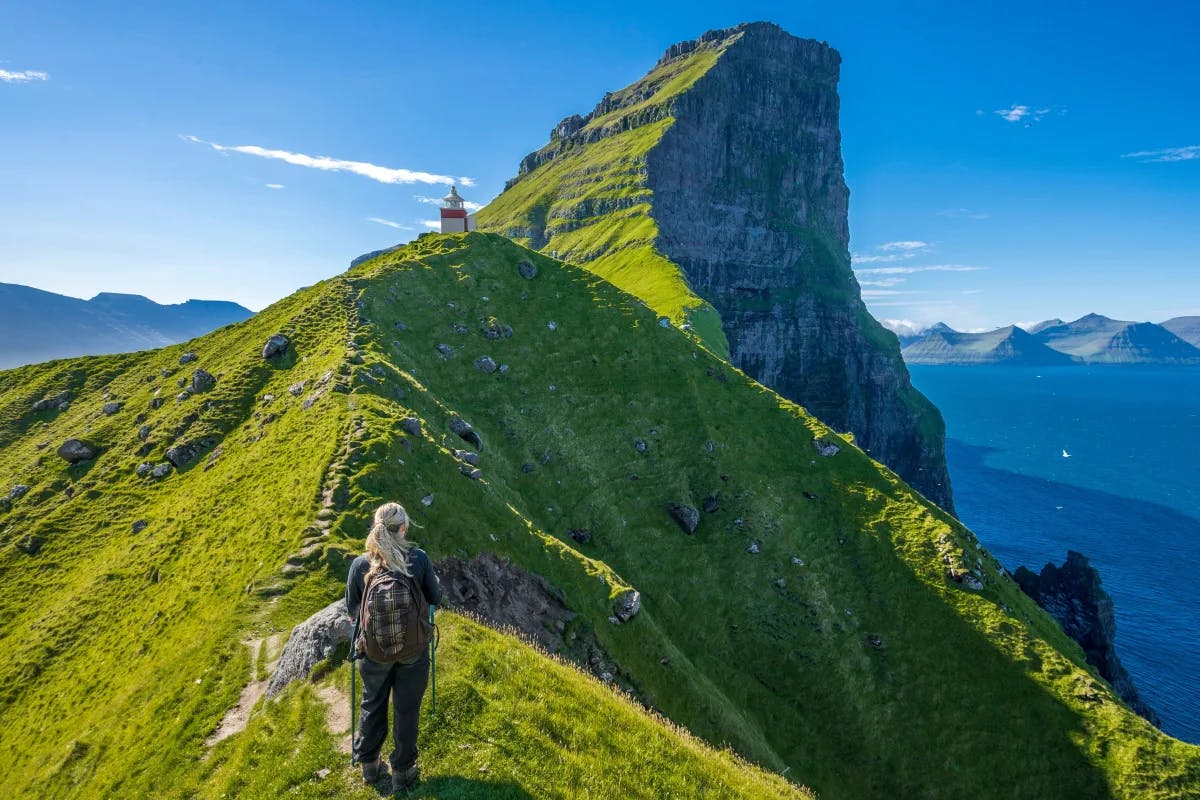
pixel 820 620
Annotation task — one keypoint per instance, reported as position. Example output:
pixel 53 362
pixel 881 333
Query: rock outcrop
pixel 745 190
pixel 1072 594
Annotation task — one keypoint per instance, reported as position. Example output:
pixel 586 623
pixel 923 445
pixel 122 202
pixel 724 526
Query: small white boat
pixel 1066 454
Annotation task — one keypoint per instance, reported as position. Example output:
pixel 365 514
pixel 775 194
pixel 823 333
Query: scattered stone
pixel 161 470
pixel 553 388
pixel 211 461
pixel 485 364
pixel 427 500
pixel 504 369
pixel 627 605
pixel 493 329
pixel 809 496
pixel 797 561
pixel 30 545
pixel 73 451
pixel 411 426
pixel 641 445
pixel 753 549
pixel 875 641
pixel 664 322
pixel 400 326
pixel 111 408
pixel 156 402
pixel 322 773
pixel 528 270
pixel 711 504
pixel 527 467
pixel 276 345
pixel 183 454
pixel 143 469
pixel 140 525
pixel 552 325
pixel 474 473
pixel 18 491
pixel 606 677
pixel 826 448
pixel 781 583
pixel 467 456
pixel 184 395
pixel 581 535
pixel 459 328
pixel 685 516
pixel 202 381
pixel 446 350
pixel 57 402
pixel 664 661
pixel 144 432
pixel 166 373
pixel 710 445
pixel 188 358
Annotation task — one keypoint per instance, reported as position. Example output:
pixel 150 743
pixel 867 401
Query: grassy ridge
pixel 809 621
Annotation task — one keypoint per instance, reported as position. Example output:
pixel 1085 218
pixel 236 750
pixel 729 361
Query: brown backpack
pixel 395 625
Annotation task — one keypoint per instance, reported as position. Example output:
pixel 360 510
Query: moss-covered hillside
pixel 823 620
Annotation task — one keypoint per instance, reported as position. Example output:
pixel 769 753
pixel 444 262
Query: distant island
pixel 1091 339
pixel 36 325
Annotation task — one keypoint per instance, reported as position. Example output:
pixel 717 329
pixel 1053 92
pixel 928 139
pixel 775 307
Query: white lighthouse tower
pixel 455 218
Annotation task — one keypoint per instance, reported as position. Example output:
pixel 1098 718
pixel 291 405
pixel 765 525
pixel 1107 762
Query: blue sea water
pixel 1103 460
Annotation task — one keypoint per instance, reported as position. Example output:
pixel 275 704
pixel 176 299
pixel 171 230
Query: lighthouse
pixel 454 216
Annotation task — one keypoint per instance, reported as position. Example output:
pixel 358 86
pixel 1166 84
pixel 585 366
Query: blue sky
pixel 993 144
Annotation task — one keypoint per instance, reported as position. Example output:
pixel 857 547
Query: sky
pixel 1007 163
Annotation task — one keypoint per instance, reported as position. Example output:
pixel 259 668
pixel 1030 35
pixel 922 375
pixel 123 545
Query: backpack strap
pixel 362 601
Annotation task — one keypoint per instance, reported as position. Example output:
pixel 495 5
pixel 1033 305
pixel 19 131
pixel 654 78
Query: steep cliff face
pixel 1072 594
pixel 713 188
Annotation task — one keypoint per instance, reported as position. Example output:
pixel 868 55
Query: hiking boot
pixel 375 772
pixel 404 779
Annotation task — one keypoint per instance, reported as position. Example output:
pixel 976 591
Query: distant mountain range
pixel 1092 339
pixel 38 326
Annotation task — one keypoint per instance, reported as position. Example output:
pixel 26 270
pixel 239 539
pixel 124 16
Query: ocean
pixel 1105 461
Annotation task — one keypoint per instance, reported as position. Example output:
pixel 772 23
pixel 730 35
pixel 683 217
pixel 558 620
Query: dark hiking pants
pixel 405 684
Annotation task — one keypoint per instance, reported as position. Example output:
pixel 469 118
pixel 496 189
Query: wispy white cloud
pixel 903 246
pixel 884 283
pixel 972 291
pixel 432 224
pixel 912 270
pixel 1188 153
pixel 1026 114
pixel 391 224
pixel 873 293
pixel 866 258
pixel 363 168
pixel 963 213
pixel 23 76
pixel 275 186
pixel 437 201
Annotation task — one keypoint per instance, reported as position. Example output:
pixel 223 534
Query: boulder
pixel 446 350
pixel 73 451
pixel 311 642
pixel 185 453
pixel 143 469
pixel 485 364
pixel 641 445
pixel 54 403
pixel 753 549
pixel 276 345
pixel 111 408
pixel 467 456
pixel 528 270
pixel 202 381
pixel 139 526
pixel 826 449
pixel 161 470
pixel 296 389
pixel 685 516
pixel 18 491
pixel 188 358
pixel 581 535
pixel 463 429
pixel 474 473
pixel 156 402
pixel 459 328
pixel 144 432
pixel 411 426
pixel 711 504
pixel 627 605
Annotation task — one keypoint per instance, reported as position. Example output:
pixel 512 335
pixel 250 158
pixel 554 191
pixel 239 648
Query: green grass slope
pixel 810 622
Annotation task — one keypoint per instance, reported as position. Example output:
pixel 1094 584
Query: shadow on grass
pixel 455 787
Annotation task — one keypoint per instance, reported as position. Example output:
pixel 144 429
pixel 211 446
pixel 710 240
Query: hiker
pixel 388 594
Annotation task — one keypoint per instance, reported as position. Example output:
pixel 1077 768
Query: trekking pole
pixel 433 662
pixel 353 706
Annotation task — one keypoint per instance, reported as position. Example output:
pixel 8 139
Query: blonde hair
pixel 387 547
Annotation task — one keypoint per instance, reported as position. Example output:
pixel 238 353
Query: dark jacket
pixel 418 564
